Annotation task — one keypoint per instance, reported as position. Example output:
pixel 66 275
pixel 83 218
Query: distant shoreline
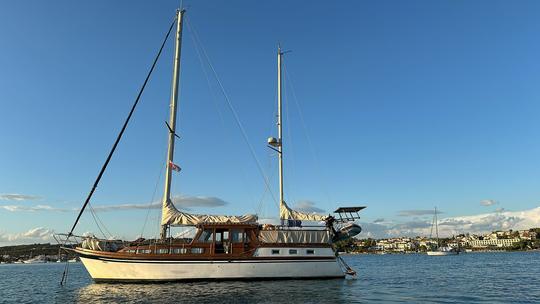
pixel 423 253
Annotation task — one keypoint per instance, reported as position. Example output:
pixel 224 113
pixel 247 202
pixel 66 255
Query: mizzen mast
pixel 277 143
pixel 172 117
pixel 279 124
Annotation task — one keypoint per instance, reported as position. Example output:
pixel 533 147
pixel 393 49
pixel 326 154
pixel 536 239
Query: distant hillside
pixel 26 251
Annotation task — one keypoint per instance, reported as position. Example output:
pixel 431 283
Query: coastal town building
pixel 490 242
pixel 498 240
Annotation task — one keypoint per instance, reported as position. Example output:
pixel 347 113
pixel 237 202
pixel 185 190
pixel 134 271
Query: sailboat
pixel 224 246
pixel 440 250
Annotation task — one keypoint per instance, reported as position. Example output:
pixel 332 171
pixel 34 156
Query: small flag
pixel 174 166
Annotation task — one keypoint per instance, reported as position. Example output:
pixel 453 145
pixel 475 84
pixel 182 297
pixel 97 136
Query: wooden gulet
pixel 223 247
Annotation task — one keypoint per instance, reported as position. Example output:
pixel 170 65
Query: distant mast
pixel 437 228
pixel 172 118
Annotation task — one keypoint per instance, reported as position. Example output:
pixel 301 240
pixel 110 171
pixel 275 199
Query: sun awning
pixel 174 217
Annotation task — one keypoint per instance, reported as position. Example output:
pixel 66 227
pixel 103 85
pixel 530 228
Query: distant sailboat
pixel 224 246
pixel 36 260
pixel 440 250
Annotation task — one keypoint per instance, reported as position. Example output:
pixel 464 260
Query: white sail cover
pixel 286 213
pixel 295 236
pixel 172 216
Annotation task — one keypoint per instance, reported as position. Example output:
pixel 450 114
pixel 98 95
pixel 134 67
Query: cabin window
pixel 163 251
pixel 222 235
pixel 179 250
pixel 293 251
pixel 310 251
pixel 206 236
pixel 237 236
pixel 275 251
pixel 144 251
pixel 197 250
pixel 131 251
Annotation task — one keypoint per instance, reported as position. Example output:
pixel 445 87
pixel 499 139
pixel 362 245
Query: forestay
pixel 172 216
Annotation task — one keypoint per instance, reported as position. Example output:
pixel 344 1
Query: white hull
pixel 114 270
pixel 440 253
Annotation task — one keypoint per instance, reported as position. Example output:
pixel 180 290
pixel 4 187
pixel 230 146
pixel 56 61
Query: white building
pixel 493 243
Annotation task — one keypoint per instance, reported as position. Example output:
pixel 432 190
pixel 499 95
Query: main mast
pixel 172 117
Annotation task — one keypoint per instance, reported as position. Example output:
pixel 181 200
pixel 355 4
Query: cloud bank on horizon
pixel 500 219
pixel 478 224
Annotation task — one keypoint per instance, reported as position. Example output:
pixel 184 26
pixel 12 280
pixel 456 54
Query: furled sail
pixel 296 236
pixel 172 216
pixel 286 213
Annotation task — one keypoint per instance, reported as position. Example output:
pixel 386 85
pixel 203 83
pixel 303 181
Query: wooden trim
pixel 189 257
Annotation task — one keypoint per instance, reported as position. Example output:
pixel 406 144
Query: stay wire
pixel 216 105
pixel 310 142
pixel 98 221
pixel 233 111
pixel 153 196
pixel 290 146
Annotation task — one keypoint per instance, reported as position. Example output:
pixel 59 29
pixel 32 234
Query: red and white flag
pixel 174 166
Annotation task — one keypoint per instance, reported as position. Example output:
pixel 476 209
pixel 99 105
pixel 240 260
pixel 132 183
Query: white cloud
pixel 18 208
pixel 185 201
pixel 417 212
pixel 307 207
pixel 104 208
pixel 478 224
pixel 35 235
pixel 488 202
pixel 181 201
pixel 18 197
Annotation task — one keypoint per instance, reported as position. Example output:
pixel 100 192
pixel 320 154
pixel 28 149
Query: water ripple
pixel 468 278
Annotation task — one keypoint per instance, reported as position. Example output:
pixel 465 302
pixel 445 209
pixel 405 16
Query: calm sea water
pixel 468 278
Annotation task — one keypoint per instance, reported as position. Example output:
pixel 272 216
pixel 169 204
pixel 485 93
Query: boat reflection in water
pixel 326 291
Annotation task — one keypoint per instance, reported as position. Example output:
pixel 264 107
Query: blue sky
pixel 408 105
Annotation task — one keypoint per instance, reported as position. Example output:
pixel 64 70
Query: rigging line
pixel 97 219
pixel 97 223
pixel 201 61
pixel 153 195
pixel 270 159
pixel 237 119
pixel 290 146
pixel 304 126
pixel 261 201
pixel 214 101
pixel 122 130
